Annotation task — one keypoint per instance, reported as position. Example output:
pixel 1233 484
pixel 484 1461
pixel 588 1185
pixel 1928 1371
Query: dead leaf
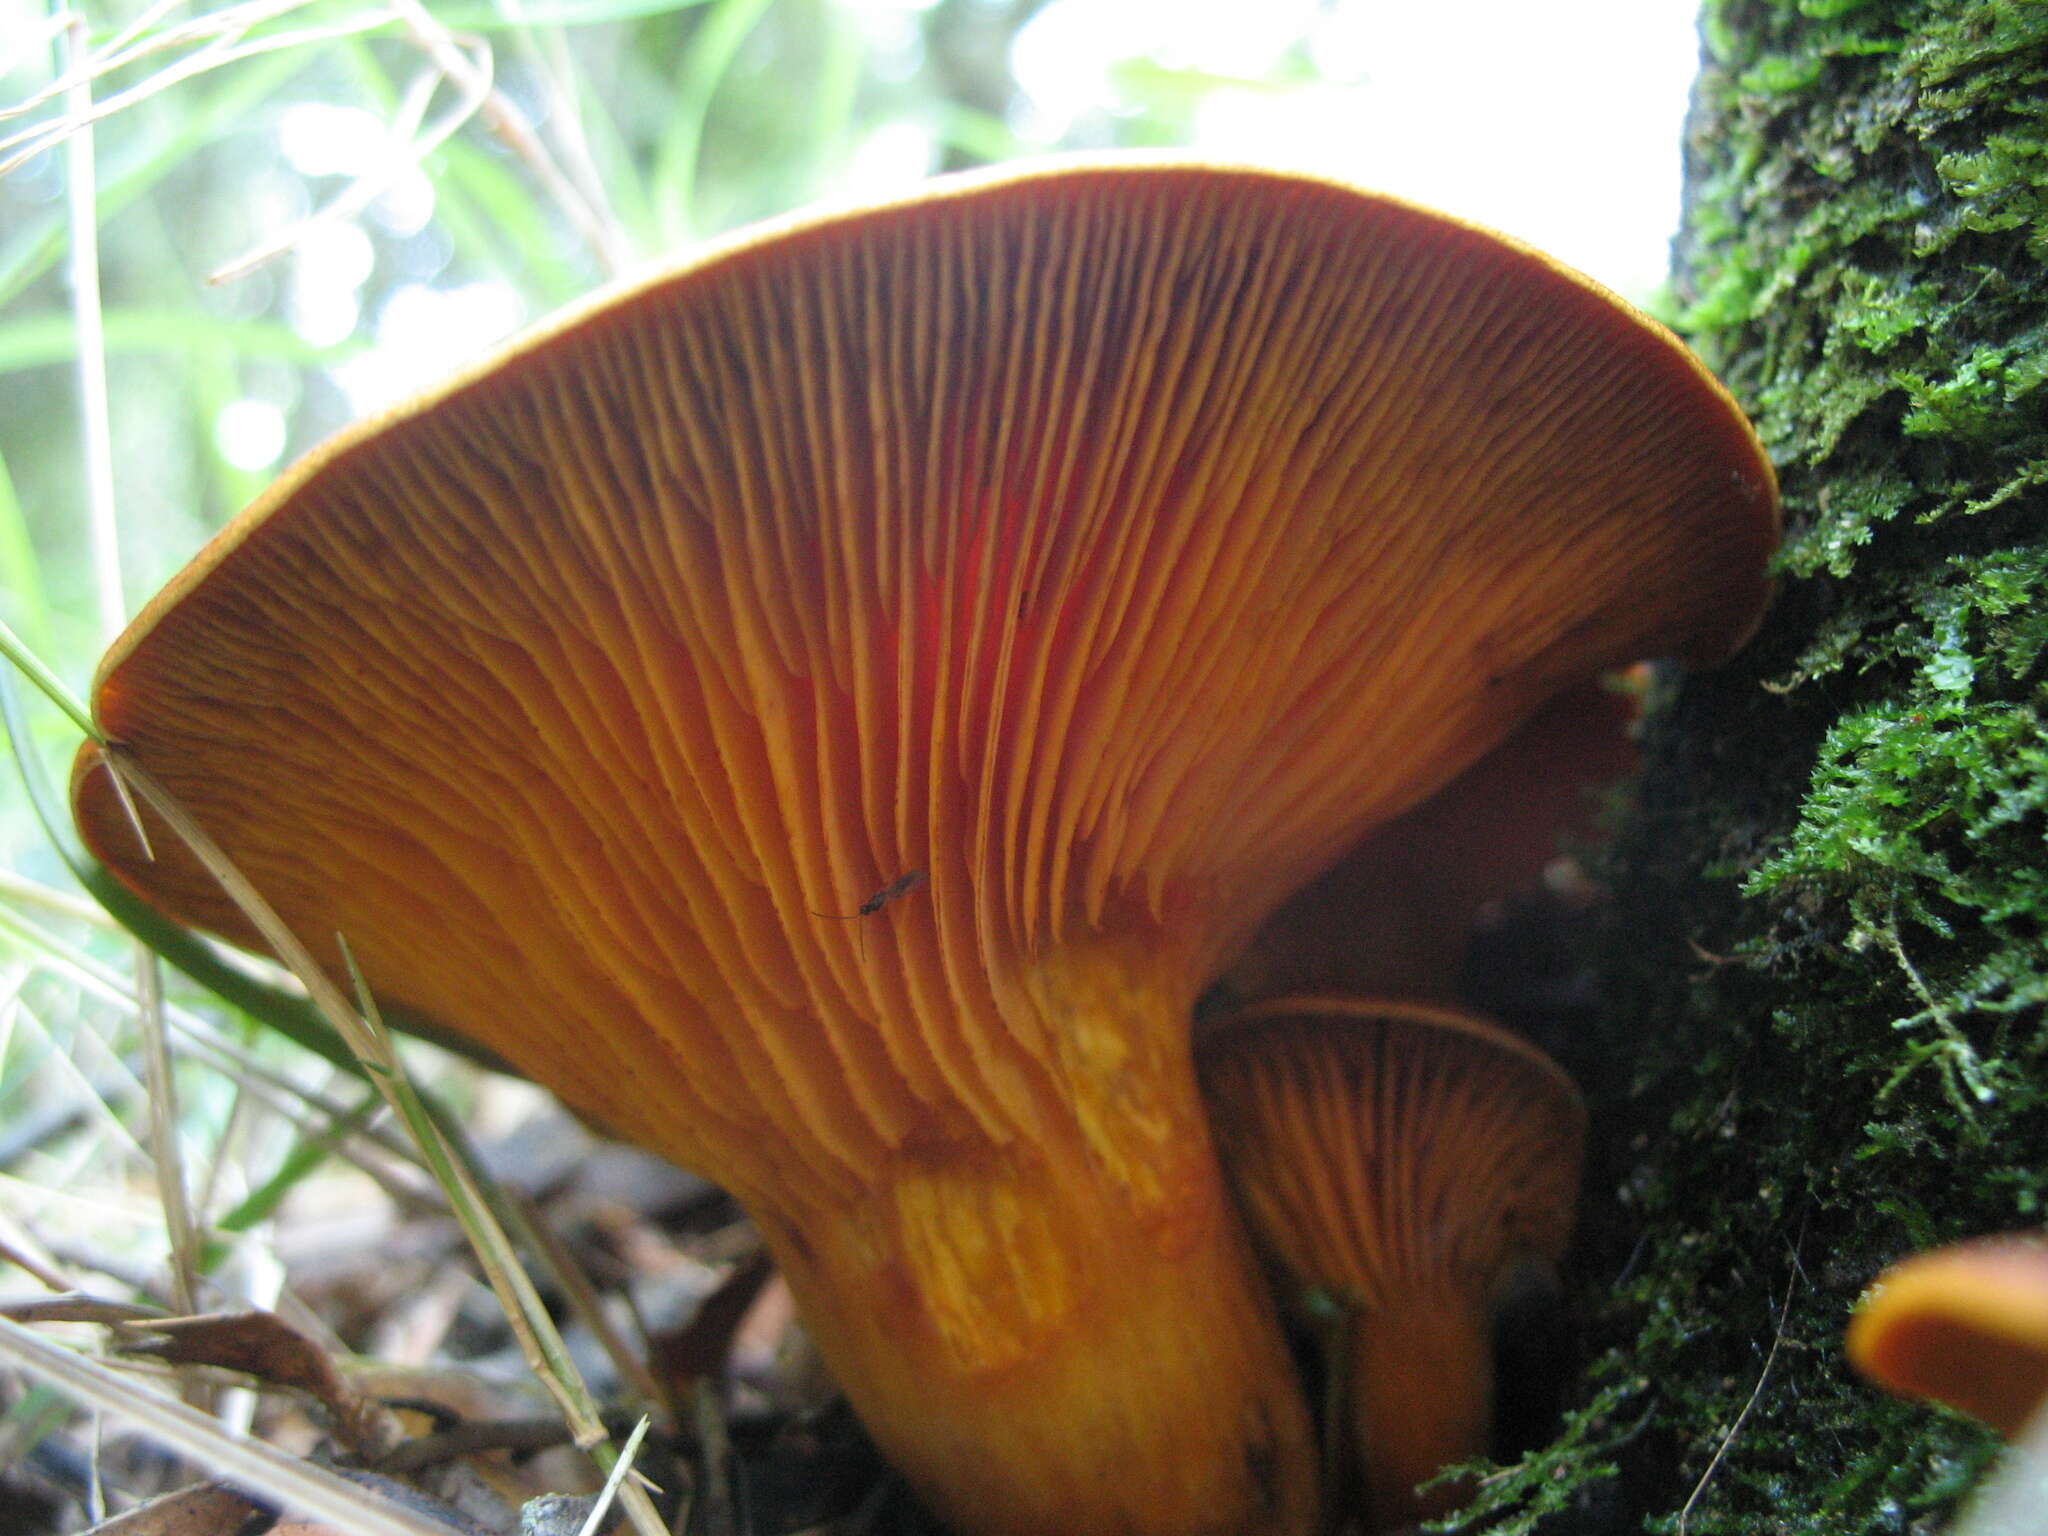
pixel 205 1509
pixel 265 1346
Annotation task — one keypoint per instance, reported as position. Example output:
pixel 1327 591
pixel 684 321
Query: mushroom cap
pixel 1382 1148
pixel 1394 916
pixel 1113 541
pixel 1966 1325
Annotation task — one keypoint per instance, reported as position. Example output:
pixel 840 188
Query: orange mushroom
pixel 1394 916
pixel 1966 1325
pixel 1410 1163
pixel 1113 543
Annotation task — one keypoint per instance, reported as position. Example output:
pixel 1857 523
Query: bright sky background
pixel 1556 122
pixel 1559 123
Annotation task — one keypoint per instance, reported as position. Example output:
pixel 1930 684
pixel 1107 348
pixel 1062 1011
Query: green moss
pixel 1824 1040
pixel 1774 76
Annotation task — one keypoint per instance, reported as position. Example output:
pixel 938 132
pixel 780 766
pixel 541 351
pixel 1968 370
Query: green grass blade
pixel 47 682
pixel 39 341
pixel 305 1155
pixel 713 47
pixel 981 135
pixel 559 13
pixel 21 571
pixel 837 93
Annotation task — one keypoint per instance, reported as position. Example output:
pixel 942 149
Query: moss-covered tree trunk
pixel 1824 1044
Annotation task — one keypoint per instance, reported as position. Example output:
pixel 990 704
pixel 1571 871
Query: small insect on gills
pixel 902 885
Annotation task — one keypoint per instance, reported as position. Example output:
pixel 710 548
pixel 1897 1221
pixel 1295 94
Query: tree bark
pixel 1822 1043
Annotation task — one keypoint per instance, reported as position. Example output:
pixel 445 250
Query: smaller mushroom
pixel 1411 1163
pixel 1394 916
pixel 1966 1325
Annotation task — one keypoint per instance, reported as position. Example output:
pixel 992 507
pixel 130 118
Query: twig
pixel 163 1135
pixel 556 70
pixel 1784 1312
pixel 18 1246
pixel 621 1469
pixel 96 428
pixel 531 1228
pixel 521 1437
pixel 510 124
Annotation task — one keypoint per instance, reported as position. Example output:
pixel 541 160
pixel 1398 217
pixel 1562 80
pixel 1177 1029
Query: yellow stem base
pixel 1034 1360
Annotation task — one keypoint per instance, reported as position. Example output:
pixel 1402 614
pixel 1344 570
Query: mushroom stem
pixel 1066 1330
pixel 1109 1380
pixel 1421 1372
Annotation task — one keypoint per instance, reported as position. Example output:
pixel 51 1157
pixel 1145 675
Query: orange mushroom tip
pixel 1113 542
pixel 1965 1325
pixel 1412 1162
